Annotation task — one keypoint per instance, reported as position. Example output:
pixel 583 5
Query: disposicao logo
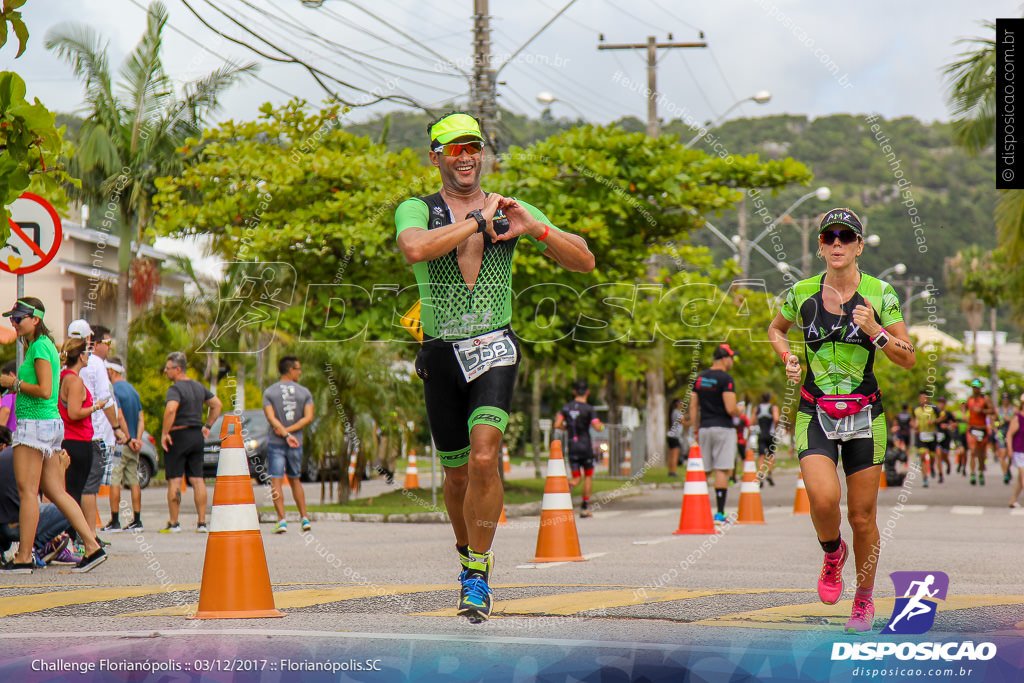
pixel 914 613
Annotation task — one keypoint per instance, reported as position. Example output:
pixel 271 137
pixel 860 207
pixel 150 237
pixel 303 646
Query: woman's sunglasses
pixel 454 149
pixel 844 236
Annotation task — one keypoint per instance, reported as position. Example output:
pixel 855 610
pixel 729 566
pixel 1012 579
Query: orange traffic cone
pixel 695 517
pixel 412 476
pixel 882 483
pixel 502 521
pixel 352 469
pixel 236 581
pixel 557 540
pixel 604 460
pixel 801 504
pixel 751 510
pixel 626 469
pixel 506 462
pixel 104 493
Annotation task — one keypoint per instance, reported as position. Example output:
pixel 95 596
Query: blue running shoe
pixel 475 600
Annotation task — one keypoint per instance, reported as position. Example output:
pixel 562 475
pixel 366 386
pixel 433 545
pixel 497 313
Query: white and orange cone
pixel 751 510
pixel 352 469
pixel 236 581
pixel 695 516
pixel 627 469
pixel 557 540
pixel 506 462
pixel 882 483
pixel 801 504
pixel 412 476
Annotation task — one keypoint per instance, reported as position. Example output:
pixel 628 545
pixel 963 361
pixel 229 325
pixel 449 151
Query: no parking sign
pixel 35 235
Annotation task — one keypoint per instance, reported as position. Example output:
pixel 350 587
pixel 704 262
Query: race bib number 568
pixel 479 354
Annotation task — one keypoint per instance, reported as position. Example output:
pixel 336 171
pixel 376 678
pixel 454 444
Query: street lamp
pixel 822 194
pixel 547 99
pixel 872 240
pixel 761 97
pixel 899 269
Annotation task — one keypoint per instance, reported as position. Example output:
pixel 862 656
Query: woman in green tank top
pixel 38 436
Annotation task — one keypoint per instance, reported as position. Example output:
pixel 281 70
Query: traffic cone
pixel 604 460
pixel 352 469
pixel 882 483
pixel 503 520
pixel 412 477
pixel 557 540
pixel 695 516
pixel 506 462
pixel 103 493
pixel 626 468
pixel 236 581
pixel 801 504
pixel 751 510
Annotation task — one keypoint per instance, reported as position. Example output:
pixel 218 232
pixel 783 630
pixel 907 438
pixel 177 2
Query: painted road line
pixel 307 597
pixel 659 513
pixel 609 514
pixel 1017 511
pixel 967 510
pixel 810 615
pixel 565 604
pixel 37 602
pixel 549 565
pixel 653 541
pixel 915 508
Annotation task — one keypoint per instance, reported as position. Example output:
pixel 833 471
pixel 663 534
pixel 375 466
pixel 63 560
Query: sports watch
pixel 481 222
pixel 881 339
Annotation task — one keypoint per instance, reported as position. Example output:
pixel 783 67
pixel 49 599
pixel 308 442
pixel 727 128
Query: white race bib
pixel 479 354
pixel 926 437
pixel 856 426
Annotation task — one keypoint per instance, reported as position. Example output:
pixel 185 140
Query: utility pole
pixel 655 375
pixel 484 91
pixel 652 46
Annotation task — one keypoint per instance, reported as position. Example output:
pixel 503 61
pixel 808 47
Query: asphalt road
pixel 388 591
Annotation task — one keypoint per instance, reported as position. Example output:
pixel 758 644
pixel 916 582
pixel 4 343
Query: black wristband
pixel 481 222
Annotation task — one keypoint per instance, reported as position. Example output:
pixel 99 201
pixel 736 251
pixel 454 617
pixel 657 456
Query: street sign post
pixel 34 240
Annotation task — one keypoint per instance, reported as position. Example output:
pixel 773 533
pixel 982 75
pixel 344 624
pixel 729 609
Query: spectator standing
pixel 289 408
pixel 126 468
pixel 767 422
pixel 76 407
pixel 711 414
pixel 1015 441
pixel 8 415
pixel 674 436
pixel 107 431
pixel 38 437
pixel 183 438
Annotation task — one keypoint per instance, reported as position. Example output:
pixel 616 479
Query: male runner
pixel 575 418
pixel 469 357
pixel 978 410
pixel 923 422
pixel 945 425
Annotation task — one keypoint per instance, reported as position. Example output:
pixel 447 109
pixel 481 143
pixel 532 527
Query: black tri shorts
pixel 455 406
pixel 857 454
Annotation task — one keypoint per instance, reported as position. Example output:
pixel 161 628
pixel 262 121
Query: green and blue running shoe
pixel 475 599
pixel 479 567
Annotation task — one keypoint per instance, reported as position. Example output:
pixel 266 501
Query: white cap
pixel 114 366
pixel 80 329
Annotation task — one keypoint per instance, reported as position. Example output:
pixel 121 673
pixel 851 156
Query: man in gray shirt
pixel 289 408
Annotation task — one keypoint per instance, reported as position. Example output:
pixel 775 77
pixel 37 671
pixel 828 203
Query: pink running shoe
pixel 862 618
pixel 830 583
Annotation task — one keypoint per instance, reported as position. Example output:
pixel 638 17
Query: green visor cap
pixel 454 127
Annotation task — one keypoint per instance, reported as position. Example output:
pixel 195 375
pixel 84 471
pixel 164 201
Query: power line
pixel 313 71
pixel 338 48
pixel 699 88
pixel 531 38
pixel 724 79
pixel 636 18
pixel 406 36
pixel 218 55
pixel 680 20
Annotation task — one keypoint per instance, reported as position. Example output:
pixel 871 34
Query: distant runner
pixel 576 418
pixel 979 408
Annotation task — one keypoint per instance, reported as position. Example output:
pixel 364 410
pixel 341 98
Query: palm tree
pixel 972 98
pixel 131 136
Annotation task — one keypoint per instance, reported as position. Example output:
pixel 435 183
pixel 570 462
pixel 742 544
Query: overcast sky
pixel 858 57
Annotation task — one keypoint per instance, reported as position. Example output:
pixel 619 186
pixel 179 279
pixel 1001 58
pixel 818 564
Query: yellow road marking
pixel 307 597
pixel 795 617
pixel 37 602
pixel 563 604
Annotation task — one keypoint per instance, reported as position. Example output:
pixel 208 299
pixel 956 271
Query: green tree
pixel 30 141
pixel 131 138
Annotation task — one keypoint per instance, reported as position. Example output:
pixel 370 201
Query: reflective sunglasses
pixel 16 319
pixel 108 342
pixel 844 236
pixel 454 149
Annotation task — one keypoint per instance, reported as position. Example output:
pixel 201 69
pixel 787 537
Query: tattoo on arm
pixel 903 345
